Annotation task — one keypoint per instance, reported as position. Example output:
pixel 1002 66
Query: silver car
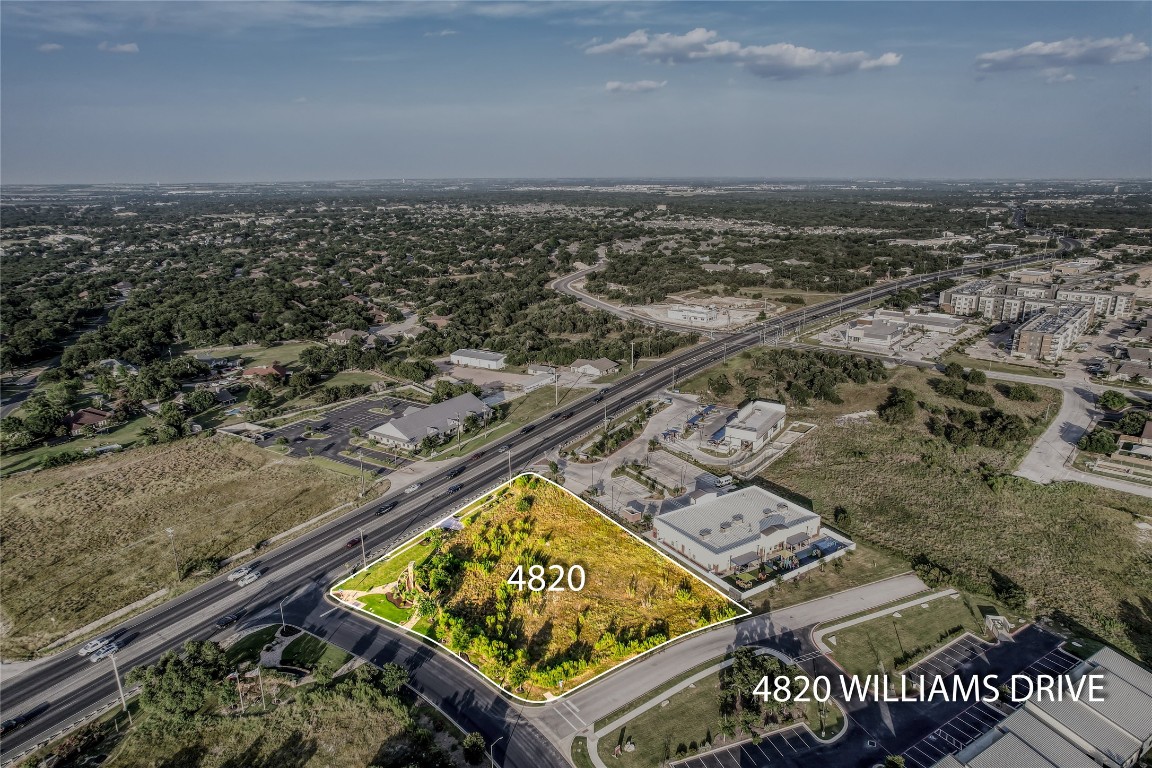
pixel 240 572
pixel 251 577
pixel 105 652
pixel 94 645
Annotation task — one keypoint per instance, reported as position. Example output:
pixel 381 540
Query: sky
pixel 171 92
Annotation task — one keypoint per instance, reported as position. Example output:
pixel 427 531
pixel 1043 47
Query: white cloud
pixel 441 33
pixel 1058 75
pixel 300 100
pixel 49 47
pixel 1071 51
pixel 108 47
pixel 638 86
pixel 777 61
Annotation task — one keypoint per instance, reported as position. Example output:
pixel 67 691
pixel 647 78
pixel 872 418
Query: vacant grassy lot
pixel 862 648
pixel 84 540
pixel 125 435
pixel 1003 367
pixel 309 652
pixel 633 597
pixel 286 354
pixel 1065 548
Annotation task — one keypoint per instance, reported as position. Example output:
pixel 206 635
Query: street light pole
pixel 120 688
pixel 175 558
pixel 283 623
pixel 363 551
pixel 360 455
pixel 492 752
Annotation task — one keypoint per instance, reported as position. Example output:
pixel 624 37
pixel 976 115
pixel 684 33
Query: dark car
pixel 10 725
pixel 454 488
pixel 528 429
pixel 227 621
pixel 554 416
pixel 477 456
pixel 385 508
pixel 569 415
pixel 598 398
pixel 354 543
pixel 456 472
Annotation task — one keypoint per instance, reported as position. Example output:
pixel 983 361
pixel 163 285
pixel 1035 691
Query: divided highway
pixel 299 572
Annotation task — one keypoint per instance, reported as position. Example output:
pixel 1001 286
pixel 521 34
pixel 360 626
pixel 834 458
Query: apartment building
pixel 1051 333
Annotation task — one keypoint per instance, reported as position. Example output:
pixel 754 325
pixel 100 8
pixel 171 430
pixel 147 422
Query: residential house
pixel 88 417
pixel 265 370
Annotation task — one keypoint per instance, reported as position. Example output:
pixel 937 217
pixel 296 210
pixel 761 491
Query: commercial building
pixel 478 358
pixel 755 424
pixel 1112 729
pixel 1048 335
pixel 1077 267
pixel 438 420
pixel 880 333
pixel 1013 302
pixel 1104 303
pixel 599 367
pixel 724 532
pixel 537 381
pixel 689 313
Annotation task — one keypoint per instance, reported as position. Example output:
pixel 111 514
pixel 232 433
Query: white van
pixel 723 482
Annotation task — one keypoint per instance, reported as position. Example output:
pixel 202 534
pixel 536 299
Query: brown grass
pixel 84 540
pixel 1073 549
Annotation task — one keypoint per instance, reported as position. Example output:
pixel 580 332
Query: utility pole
pixel 175 558
pixel 360 455
pixel 240 691
pixel 509 455
pixel 260 678
pixel 363 550
pixel 120 688
pixel 633 367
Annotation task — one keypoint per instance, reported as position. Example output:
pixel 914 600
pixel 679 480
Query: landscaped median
pixel 536 589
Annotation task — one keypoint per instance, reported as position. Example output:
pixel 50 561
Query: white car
pixel 105 652
pixel 413 488
pixel 240 572
pixel 94 645
pixel 251 577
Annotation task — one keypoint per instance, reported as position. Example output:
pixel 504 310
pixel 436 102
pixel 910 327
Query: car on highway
pixel 227 621
pixel 104 652
pixel 353 543
pixel 527 429
pixel 568 415
pixel 240 573
pixel 598 398
pixel 504 448
pixel 413 488
pixel 12 724
pixel 454 488
pixel 456 472
pixel 94 645
pixel 250 578
pixel 384 509
pixel 553 417
pixel 477 456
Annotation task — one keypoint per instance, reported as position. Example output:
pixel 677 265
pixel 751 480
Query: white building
pixel 721 533
pixel 438 420
pixel 755 424
pixel 599 367
pixel 478 358
pixel 690 313
pixel 537 381
pixel 880 332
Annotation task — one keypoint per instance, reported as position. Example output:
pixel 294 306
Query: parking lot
pixel 784 748
pixel 337 425
pixel 950 658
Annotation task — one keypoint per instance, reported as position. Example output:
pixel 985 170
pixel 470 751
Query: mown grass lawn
pixel 247 648
pixel 309 652
pixel 862 649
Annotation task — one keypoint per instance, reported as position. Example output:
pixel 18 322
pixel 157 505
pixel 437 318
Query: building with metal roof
pixel 437 420
pixel 478 358
pixel 723 532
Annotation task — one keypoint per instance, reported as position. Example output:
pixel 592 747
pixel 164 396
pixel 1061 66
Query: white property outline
pixel 452 654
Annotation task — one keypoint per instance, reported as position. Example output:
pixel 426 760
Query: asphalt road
pixel 72 687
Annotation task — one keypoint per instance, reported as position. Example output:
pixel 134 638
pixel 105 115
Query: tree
pixel 975 376
pixel 900 406
pixel 954 370
pixel 1132 423
pixel 474 746
pixel 258 397
pixel 393 677
pixel 1098 441
pixel 894 761
pixel 199 400
pixel 1113 400
pixel 1023 392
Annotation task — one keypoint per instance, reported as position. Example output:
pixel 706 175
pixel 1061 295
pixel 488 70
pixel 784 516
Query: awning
pixel 797 538
pixel 746 558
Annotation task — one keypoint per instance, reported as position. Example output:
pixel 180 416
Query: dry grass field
pixel 84 540
pixel 633 598
pixel 1067 549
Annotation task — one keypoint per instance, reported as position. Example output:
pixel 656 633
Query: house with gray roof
pixel 725 532
pixel 438 420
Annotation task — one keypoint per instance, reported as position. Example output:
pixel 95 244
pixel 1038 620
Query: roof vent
pixel 705 531
pixel 725 525
pixel 782 506
pixel 737 517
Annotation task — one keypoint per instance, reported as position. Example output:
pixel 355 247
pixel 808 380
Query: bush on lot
pixel 1113 400
pixel 1023 392
pixel 1098 441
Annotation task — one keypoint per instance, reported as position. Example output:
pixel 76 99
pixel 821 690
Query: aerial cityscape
pixel 592 384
